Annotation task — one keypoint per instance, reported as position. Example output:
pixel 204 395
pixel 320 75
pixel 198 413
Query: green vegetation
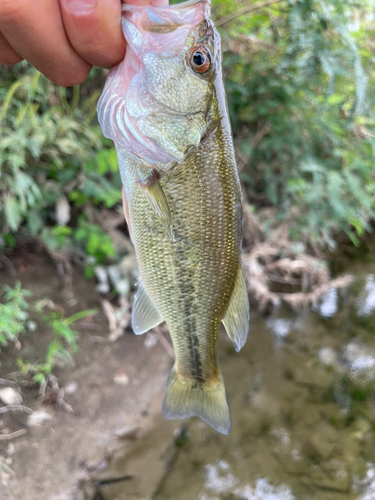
pixel 15 321
pixel 56 169
pixel 297 75
pixel 14 314
pixel 302 113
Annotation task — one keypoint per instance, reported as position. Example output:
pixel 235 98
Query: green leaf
pixel 12 212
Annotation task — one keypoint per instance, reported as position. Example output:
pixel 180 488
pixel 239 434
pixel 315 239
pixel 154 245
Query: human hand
pixel 63 39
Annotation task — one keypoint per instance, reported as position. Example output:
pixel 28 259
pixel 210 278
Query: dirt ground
pixel 114 391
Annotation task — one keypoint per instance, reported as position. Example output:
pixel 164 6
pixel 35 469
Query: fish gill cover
pixel 149 29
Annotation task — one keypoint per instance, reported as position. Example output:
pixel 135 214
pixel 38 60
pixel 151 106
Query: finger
pixel 94 30
pixel 35 30
pixel 7 53
pixel 159 3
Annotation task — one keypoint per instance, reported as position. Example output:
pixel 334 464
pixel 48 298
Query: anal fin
pixel 145 316
pixel 237 317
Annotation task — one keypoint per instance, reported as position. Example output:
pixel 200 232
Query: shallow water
pixel 302 397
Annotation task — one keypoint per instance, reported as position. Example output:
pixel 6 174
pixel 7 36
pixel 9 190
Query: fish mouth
pixel 176 7
pixel 165 19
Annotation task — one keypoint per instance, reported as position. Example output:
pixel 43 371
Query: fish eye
pixel 200 60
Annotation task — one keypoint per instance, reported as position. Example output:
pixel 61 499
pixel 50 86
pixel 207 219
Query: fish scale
pixel 185 215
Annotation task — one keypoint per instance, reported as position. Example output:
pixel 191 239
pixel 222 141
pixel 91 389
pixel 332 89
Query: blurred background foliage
pixel 298 76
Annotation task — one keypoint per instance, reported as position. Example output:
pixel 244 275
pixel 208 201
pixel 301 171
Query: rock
pixel 333 414
pixel 128 432
pixel 366 299
pixel 151 341
pixel 293 462
pixel 323 441
pixel 331 476
pixel 361 361
pixel 62 211
pixel 361 428
pixel 311 416
pixel 263 489
pixel 328 356
pixel 71 387
pixel 314 377
pixel 351 448
pixel 281 327
pixel 121 377
pixel 329 303
pixel 10 396
pixel 38 418
pixel 11 449
pixel 102 277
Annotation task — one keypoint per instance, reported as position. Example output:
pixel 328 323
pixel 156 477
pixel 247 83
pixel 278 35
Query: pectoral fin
pixel 156 198
pixel 237 317
pixel 144 315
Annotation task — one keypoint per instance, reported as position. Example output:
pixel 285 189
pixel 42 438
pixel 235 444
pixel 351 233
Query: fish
pixel 165 109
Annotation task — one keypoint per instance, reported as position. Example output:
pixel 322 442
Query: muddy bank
pixel 114 392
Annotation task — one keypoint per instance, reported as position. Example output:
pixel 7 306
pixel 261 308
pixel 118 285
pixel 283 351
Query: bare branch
pixel 12 435
pixel 4 409
pixel 245 10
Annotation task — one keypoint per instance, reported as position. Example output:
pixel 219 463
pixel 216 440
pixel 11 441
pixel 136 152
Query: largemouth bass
pixel 165 109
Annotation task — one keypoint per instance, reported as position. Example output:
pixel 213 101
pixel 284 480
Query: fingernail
pixel 80 6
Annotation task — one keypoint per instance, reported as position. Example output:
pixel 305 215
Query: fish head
pixel 180 79
pixel 156 103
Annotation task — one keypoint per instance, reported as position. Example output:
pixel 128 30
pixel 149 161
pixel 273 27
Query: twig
pixel 288 281
pixel 12 435
pixel 9 383
pixel 109 312
pixel 164 342
pixel 5 467
pixel 14 374
pixel 60 401
pixel 89 326
pixel 260 134
pixel 110 480
pixel 245 10
pixel 48 302
pixel 9 264
pixel 4 409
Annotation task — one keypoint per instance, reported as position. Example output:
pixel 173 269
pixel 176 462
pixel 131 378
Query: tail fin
pixel 187 398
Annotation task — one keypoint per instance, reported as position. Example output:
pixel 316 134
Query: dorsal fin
pixel 237 317
pixel 145 316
